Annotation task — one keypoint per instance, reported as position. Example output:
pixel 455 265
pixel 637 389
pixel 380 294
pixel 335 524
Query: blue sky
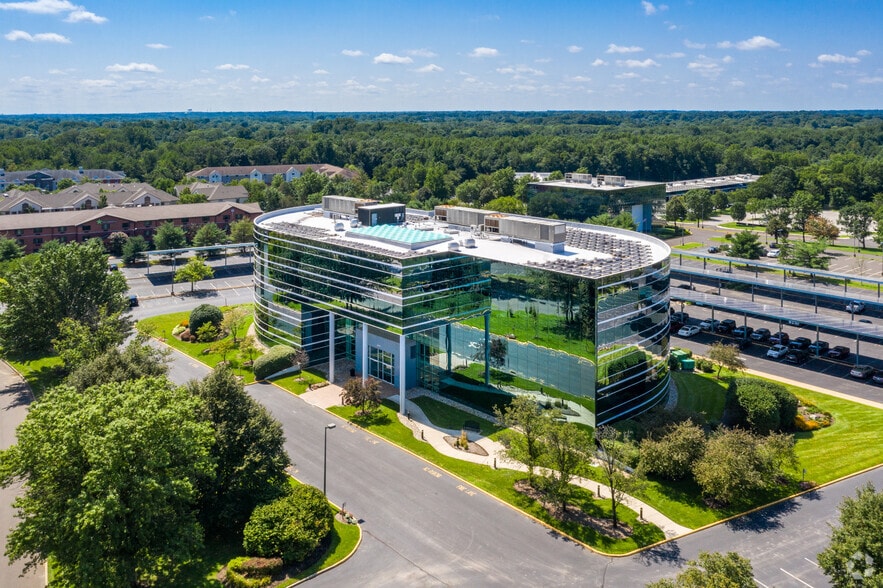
pixel 59 56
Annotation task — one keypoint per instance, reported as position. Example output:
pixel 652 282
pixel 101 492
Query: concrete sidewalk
pixel 417 421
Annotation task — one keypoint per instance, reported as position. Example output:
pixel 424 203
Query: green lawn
pixel 161 326
pixel 743 227
pixel 447 417
pixel 41 373
pixel 691 245
pixel 499 483
pixel 700 394
pixel 299 382
pixel 849 249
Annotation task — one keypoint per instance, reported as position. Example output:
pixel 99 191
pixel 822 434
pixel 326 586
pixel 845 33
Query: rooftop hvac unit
pixel 469 243
pixel 453 246
pixel 338 226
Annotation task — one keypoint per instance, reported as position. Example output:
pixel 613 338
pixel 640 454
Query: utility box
pixel 382 214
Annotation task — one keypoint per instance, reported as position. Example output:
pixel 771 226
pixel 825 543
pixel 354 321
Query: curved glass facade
pixel 465 323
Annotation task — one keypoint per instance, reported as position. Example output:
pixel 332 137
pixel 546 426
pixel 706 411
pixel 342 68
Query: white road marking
pixel 796 578
pixel 811 561
pixel 759 583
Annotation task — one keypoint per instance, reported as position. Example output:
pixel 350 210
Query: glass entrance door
pixel 381 365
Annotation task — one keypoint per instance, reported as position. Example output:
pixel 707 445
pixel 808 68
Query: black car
pixel 800 343
pixel 780 338
pixel 820 347
pixel 762 334
pixel 796 356
pixel 713 249
pixel 743 331
pixel 838 352
pixel 680 318
pixel 726 326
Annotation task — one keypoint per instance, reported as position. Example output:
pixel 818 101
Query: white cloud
pixel 232 66
pixel 259 80
pixel 579 79
pixel 38 38
pixel 727 59
pixel 633 63
pixel 871 80
pixel 691 45
pixel 431 68
pixel 320 72
pixel 862 52
pixel 352 53
pixel 40 6
pixel 359 88
pixel 146 67
pixel 754 43
pixel 598 62
pixel 839 86
pixel 75 13
pixel 394 59
pixel 629 75
pixel 484 52
pixel 97 83
pixel 707 68
pixel 207 18
pixel 675 55
pixel 157 46
pixel 574 49
pixel 421 53
pixel 82 15
pixel 836 58
pixel 520 70
pixel 614 48
pixel 650 10
pixel 737 83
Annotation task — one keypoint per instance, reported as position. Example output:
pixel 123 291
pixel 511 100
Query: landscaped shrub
pixel 205 313
pixel 760 405
pixel 278 358
pixel 805 423
pixel 252 572
pixel 291 527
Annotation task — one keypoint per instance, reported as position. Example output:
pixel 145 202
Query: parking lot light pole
pixel 325 457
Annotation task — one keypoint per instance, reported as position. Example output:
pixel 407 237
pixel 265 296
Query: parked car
pixel 796 356
pixel 780 338
pixel 866 321
pixel 877 377
pixel 773 253
pixel 800 343
pixel 726 326
pixel 862 372
pixel 133 300
pixel 713 249
pixel 689 331
pixel 838 352
pixel 761 334
pixel 819 347
pixel 709 325
pixel 777 351
pixel 743 331
pixel 855 307
pixel 680 317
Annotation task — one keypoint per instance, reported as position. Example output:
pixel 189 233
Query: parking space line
pixel 796 578
pixel 811 561
pixel 759 583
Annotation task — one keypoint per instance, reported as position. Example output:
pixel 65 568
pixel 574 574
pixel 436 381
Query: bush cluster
pixel 759 405
pixel 278 358
pixel 291 527
pixel 205 313
pixel 805 423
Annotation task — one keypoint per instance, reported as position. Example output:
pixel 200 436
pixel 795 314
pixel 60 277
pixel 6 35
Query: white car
pixel 855 307
pixel 689 331
pixel 777 351
pixel 773 253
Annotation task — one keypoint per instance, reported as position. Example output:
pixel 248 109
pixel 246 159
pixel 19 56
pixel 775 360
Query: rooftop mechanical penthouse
pixel 470 303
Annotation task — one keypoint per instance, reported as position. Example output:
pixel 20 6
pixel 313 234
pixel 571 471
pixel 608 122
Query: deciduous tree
pixel 133 249
pixel 194 271
pixel 613 445
pixel 525 444
pixel 713 570
pixel 61 281
pixel 110 482
pixel 364 396
pixel 138 359
pixel 725 356
pixel 209 234
pixel 746 245
pixel 821 229
pixel 169 236
pixel 248 450
pixel 699 205
pixel 566 453
pixel 854 556
pixel 856 219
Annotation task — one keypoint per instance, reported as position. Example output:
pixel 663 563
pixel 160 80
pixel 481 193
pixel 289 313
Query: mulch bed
pixel 473 447
pixel 574 514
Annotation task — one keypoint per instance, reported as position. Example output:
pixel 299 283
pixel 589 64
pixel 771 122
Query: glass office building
pixel 470 304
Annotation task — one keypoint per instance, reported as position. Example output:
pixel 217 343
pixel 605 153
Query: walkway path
pixel 423 429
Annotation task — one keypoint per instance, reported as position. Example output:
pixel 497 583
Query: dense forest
pixel 425 158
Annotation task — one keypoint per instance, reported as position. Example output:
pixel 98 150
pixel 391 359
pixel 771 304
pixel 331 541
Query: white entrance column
pixel 364 353
pixel 331 347
pixel 403 372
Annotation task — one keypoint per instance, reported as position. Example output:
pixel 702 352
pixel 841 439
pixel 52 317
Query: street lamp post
pixel 325 456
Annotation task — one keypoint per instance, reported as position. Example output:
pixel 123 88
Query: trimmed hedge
pixel 759 405
pixel 205 313
pixel 278 358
